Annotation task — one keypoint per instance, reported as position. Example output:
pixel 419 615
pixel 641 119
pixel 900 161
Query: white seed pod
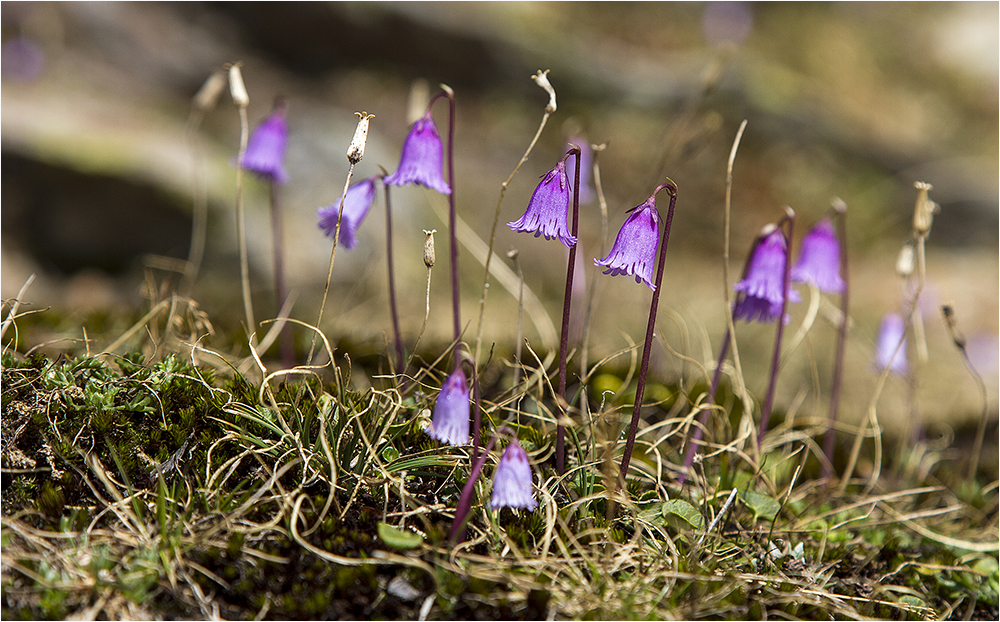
pixel 429 247
pixel 236 87
pixel 541 79
pixel 356 150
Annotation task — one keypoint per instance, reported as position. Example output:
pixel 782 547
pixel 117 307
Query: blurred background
pixel 853 100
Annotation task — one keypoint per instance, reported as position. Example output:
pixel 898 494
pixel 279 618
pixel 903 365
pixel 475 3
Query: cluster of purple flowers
pixel 763 290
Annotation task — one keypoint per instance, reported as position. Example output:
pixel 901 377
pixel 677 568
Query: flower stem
pixel 455 301
pixel 838 366
pixel 567 299
pixel 647 345
pixel 765 415
pixel 493 232
pixel 280 289
pixel 465 499
pixel 241 229
pixel 476 399
pixel 692 448
pixel 392 281
pixel 333 255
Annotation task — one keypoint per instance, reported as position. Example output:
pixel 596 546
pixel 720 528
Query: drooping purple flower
pixel 450 422
pixel 763 282
pixel 890 334
pixel 819 259
pixel 356 205
pixel 512 482
pixel 422 158
pixel 586 168
pixel 547 209
pixel 634 251
pixel 265 152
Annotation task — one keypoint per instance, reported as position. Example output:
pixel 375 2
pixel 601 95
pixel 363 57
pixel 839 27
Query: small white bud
pixel 429 247
pixel 541 79
pixel 356 150
pixel 208 95
pixel 236 87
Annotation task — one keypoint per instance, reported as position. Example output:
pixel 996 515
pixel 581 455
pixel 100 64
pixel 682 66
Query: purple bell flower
pixel 512 482
pixel 819 259
pixel 356 205
pixel 265 152
pixel 422 158
pixel 892 331
pixel 634 251
pixel 586 168
pixel 450 423
pixel 764 278
pixel 546 213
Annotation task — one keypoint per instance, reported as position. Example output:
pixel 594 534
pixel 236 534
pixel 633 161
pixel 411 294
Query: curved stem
pixel 765 415
pixel 692 448
pixel 333 255
pixel 567 300
pixel 280 288
pixel 392 281
pixel 241 229
pixel 455 300
pixel 647 345
pixel 465 499
pixel 838 366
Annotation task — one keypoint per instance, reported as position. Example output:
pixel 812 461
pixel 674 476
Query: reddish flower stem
pixel 765 415
pixel 647 345
pixel 692 448
pixel 567 299
pixel 838 366
pixel 392 281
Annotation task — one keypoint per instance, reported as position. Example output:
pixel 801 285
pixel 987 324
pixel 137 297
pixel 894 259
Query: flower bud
pixel 236 87
pixel 429 247
pixel 923 212
pixel 356 150
pixel 208 95
pixel 541 78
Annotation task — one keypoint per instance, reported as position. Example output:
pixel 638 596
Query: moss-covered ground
pixel 151 487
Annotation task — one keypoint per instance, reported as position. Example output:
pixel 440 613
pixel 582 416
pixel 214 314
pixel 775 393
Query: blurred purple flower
pixel 265 153
pixel 356 205
pixel 764 278
pixel 634 251
pixel 512 481
pixel 819 259
pixel 727 22
pixel 22 59
pixel 422 158
pixel 890 334
pixel 547 209
pixel 586 168
pixel 450 423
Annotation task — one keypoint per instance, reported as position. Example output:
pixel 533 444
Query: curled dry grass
pixel 288 494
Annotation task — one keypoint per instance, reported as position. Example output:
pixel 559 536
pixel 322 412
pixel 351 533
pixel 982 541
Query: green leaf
pixel 762 506
pixel 682 514
pixel 398 538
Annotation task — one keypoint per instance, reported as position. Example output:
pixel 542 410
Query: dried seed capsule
pixel 236 87
pixel 356 150
pixel 429 247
